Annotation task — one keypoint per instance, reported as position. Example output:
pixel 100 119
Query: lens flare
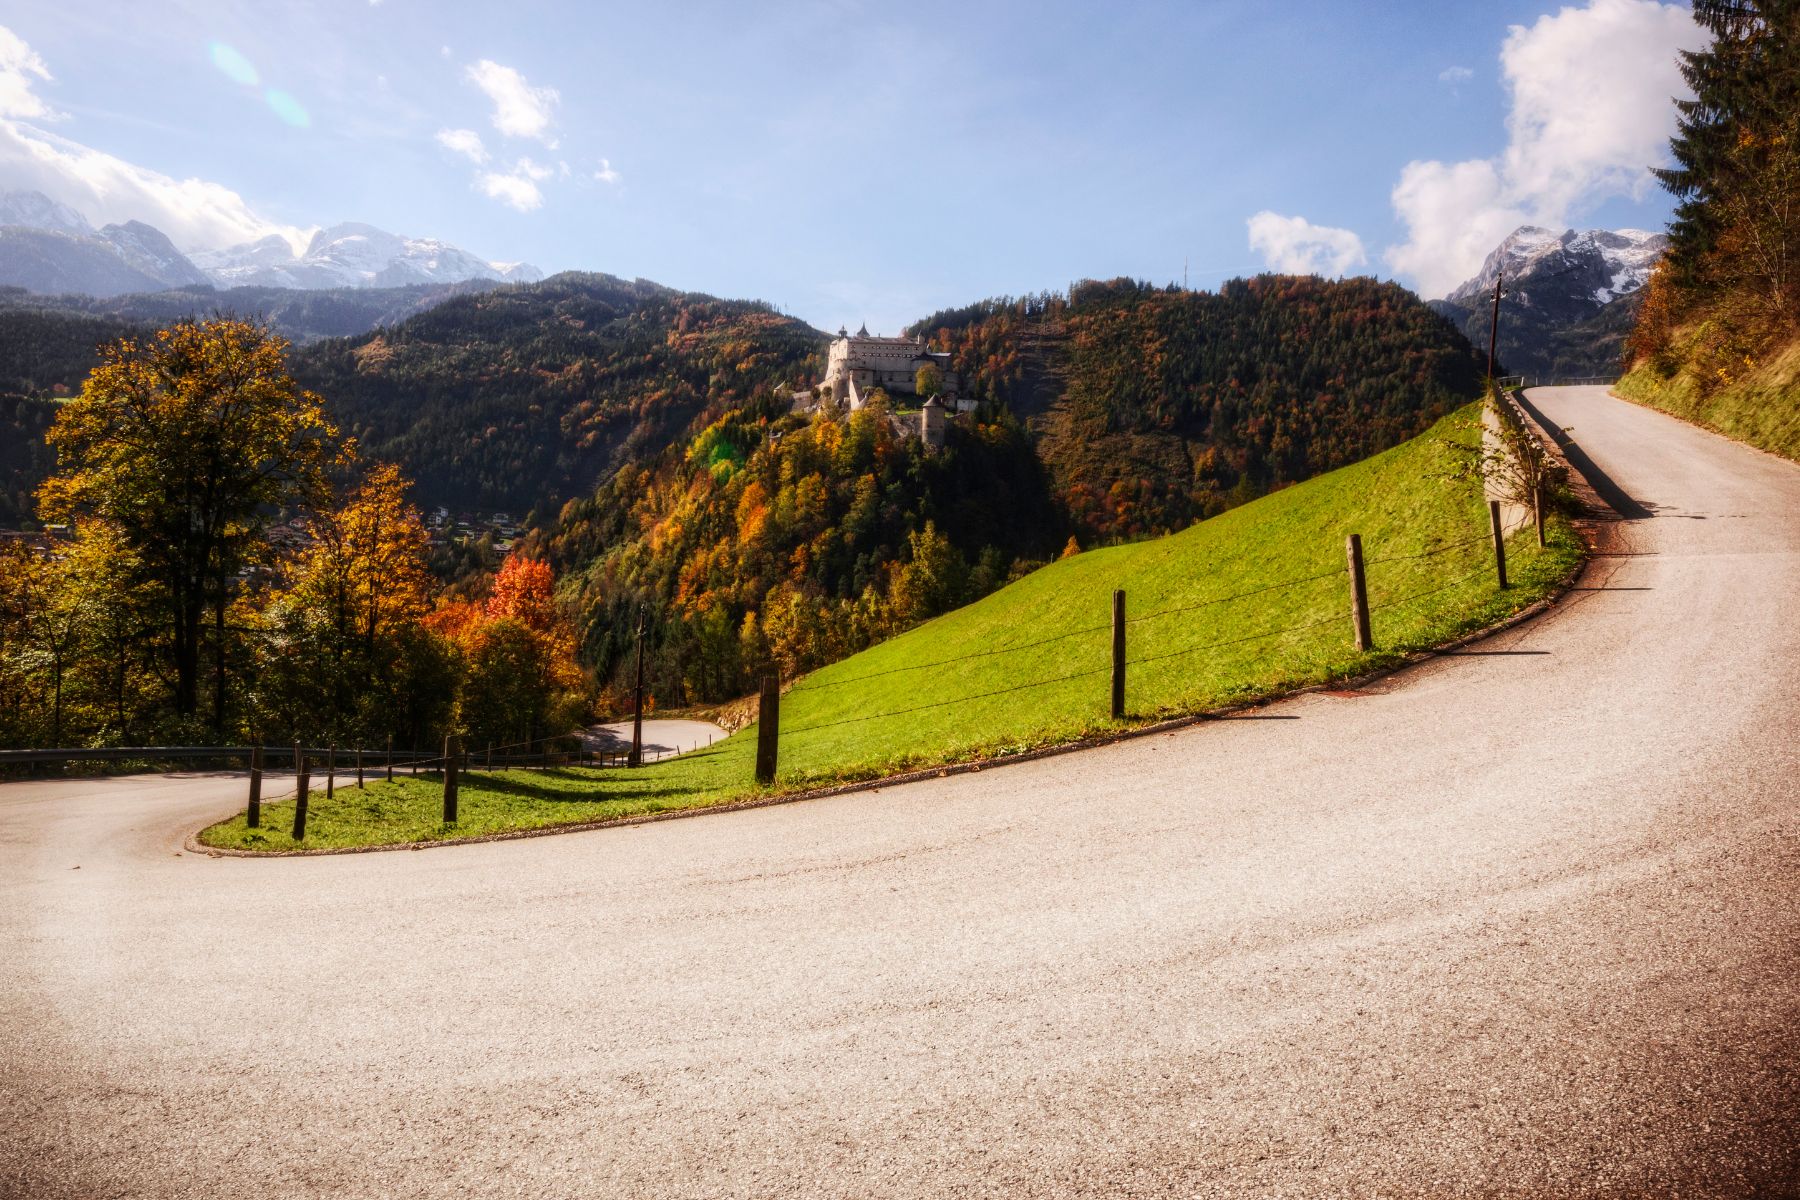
pixel 235 66
pixel 287 108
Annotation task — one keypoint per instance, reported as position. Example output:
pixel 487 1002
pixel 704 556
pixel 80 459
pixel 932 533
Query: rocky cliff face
pixel 1568 298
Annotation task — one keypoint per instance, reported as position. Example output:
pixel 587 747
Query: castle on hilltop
pixel 859 362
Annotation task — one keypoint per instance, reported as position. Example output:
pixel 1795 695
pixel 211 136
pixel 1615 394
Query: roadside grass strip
pixel 1244 606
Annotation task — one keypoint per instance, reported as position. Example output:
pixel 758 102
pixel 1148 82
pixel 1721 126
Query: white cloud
pixel 18 65
pixel 520 110
pixel 1455 75
pixel 1590 113
pixel 517 188
pixel 1295 246
pixel 196 213
pixel 465 142
pixel 606 174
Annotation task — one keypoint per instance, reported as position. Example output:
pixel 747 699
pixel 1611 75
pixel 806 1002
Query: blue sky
pixel 852 161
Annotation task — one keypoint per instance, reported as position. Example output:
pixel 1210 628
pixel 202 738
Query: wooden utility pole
pixel 1494 327
pixel 768 728
pixel 1118 657
pixel 1359 593
pixel 637 702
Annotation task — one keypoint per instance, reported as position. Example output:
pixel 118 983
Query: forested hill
pixel 1158 406
pixel 524 395
pixel 300 315
pixel 773 538
pixel 492 397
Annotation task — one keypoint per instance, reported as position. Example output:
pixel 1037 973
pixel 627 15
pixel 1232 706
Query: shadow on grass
pixel 576 791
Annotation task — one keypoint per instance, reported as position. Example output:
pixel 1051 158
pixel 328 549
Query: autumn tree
pixel 185 447
pixel 1734 252
pixel 520 681
pixel 347 637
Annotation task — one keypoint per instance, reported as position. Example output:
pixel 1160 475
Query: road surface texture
pixel 663 737
pixel 1522 921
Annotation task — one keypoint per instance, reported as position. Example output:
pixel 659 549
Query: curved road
pixel 1520 921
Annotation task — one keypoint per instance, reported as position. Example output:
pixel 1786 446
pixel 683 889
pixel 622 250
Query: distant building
pixel 932 419
pixel 860 362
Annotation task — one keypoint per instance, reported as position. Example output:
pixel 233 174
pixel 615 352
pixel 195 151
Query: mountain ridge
pixel 1568 298
pixel 49 248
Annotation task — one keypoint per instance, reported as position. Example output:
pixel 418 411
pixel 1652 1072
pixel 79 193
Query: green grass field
pixel 1249 604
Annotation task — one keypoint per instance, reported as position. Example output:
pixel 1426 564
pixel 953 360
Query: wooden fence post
pixel 302 790
pixel 1359 592
pixel 390 758
pixel 253 814
pixel 1499 531
pixel 359 767
pixel 1118 661
pixel 330 772
pixel 768 728
pixel 451 751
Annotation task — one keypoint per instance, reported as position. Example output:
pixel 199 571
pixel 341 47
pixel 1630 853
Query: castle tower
pixel 932 420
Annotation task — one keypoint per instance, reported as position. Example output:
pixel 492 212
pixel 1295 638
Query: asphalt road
pixel 664 737
pixel 1522 921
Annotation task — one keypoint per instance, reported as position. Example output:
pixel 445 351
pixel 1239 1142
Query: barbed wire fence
pixel 770 733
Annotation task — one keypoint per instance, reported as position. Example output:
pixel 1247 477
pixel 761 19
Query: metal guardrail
pixel 345 758
pixel 1520 382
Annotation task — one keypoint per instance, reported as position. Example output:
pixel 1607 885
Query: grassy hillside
pixel 1761 406
pixel 1248 604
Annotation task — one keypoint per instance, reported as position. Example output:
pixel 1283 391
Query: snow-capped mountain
pixel 48 247
pixel 1594 267
pixel 1568 298
pixel 34 210
pixel 145 248
pixel 354 255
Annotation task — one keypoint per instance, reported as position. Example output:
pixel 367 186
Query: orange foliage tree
pixel 520 681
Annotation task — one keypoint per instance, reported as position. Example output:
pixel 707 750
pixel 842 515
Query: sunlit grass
pixel 1212 616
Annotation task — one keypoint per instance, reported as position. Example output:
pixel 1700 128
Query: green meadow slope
pixel 1248 604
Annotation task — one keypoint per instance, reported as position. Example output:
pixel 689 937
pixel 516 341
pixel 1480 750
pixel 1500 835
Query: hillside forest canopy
pixel 1726 297
pixel 675 481
pixel 236 570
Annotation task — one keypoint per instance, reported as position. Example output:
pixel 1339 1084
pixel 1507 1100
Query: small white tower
pixel 932 419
